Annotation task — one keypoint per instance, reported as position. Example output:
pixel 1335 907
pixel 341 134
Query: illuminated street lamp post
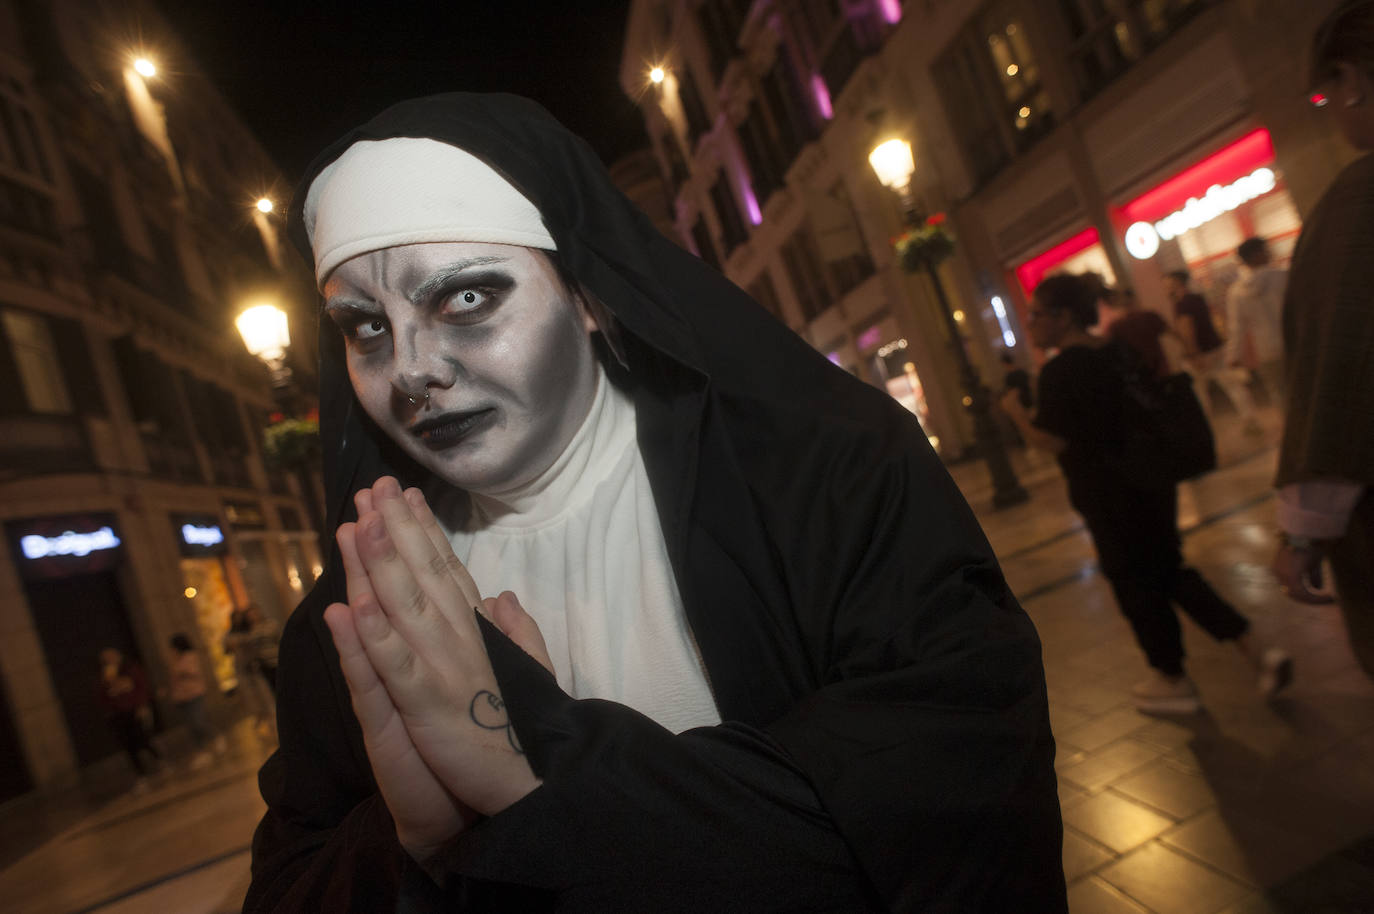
pixel 266 334
pixel 894 165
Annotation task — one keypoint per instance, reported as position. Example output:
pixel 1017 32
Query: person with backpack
pixel 1086 416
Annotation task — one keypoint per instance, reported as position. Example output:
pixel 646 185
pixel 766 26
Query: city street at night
pixel 566 418
pixel 1245 808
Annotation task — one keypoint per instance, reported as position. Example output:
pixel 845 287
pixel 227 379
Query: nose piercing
pixel 413 401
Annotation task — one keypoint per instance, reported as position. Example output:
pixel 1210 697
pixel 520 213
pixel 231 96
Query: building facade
pixel 135 502
pixel 1056 136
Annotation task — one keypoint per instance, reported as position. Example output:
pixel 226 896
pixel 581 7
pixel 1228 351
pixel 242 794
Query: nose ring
pixel 413 401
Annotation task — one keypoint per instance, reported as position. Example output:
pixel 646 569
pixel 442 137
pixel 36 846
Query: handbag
pixel 1166 437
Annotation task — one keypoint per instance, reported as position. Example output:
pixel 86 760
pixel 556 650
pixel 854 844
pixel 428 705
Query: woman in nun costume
pixel 637 602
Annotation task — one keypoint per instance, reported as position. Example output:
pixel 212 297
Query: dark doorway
pixel 76 617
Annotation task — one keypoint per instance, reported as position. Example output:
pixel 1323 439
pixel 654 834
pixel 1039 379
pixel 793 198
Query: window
pixel 721 21
pixel 20 147
pixel 989 80
pixel 802 260
pixel 760 153
pixel 36 362
pixel 765 293
pixel 839 241
pixel 701 240
pixel 26 199
pixel 840 39
pixel 101 222
pixel 692 109
pixel 732 230
pixel 774 128
pixel 1107 36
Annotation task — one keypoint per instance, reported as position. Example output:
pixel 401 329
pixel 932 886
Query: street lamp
pixel 894 165
pixel 265 205
pixel 266 335
pixel 145 67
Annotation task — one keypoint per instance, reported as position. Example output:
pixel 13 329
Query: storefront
pixel 208 579
pixel 890 363
pixel 73 574
pixel 1080 253
pixel 1196 219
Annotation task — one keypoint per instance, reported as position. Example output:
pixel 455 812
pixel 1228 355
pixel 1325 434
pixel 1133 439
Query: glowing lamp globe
pixel 893 163
pixel 265 332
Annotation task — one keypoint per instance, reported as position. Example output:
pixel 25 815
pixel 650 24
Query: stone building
pixel 134 496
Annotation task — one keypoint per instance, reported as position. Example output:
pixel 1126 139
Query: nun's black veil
pixel 887 743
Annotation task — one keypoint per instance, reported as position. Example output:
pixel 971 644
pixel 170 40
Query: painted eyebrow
pixel 444 274
pixel 342 303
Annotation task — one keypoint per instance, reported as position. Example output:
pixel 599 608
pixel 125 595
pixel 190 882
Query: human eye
pixel 467 300
pixel 359 326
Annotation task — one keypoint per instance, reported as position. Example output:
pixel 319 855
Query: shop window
pixel 721 21
pixel 802 260
pixel 732 230
pixel 765 293
pixel 1107 37
pixel 990 81
pixel 36 363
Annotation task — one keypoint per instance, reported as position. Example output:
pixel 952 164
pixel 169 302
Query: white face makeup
pixel 490 332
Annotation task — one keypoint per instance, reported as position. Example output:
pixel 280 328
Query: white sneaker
pixel 1162 694
pixel 1275 671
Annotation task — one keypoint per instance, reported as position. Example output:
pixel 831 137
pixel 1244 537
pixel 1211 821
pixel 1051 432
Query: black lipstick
pixel 448 429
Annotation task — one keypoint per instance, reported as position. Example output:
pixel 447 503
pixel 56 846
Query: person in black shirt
pixel 1134 529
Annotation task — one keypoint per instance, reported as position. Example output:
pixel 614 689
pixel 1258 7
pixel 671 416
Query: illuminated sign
pixel 196 535
pixel 69 542
pixel 1032 271
pixel 1142 238
pixel 999 308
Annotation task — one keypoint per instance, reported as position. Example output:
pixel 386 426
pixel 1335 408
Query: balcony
pixel 33 444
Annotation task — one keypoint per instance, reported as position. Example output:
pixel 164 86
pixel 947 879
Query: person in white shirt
pixel 1254 316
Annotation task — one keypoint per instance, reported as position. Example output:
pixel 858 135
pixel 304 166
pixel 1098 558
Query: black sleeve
pixel 630 817
pixel 917 777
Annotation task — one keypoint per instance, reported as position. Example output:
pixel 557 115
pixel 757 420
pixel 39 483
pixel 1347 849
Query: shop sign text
pixel 1142 238
pixel 68 543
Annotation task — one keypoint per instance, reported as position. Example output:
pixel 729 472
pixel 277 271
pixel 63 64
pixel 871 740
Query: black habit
pixel 886 743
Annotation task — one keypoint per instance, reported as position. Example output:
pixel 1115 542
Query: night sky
pixel 303 73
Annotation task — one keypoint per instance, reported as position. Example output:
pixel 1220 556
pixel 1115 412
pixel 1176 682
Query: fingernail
pixel 414 497
pixel 375 529
pixel 387 487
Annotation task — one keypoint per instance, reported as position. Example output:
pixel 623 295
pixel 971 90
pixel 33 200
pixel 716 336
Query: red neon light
pixel 1032 271
pixel 1223 167
pixel 1318 100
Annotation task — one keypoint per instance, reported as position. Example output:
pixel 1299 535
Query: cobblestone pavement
pixel 1245 808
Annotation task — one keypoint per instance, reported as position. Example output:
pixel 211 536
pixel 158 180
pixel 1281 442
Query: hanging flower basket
pixel 927 245
pixel 290 444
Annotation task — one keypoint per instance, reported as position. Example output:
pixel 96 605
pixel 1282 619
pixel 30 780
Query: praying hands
pixel 441 746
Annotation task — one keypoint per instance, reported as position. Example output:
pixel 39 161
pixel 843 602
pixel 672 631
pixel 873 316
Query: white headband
pixel 404 190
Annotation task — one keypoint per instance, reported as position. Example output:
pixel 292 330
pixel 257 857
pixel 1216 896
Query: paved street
pixel 1246 808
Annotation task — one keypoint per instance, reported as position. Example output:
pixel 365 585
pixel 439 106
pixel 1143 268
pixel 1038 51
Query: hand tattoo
pixel 488 711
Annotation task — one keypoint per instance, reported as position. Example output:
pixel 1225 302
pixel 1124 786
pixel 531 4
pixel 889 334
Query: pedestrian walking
pixel 1081 418
pixel 1206 351
pixel 123 690
pixel 1254 317
pixel 1326 460
pixel 749 651
pixel 251 645
pixel 187 693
